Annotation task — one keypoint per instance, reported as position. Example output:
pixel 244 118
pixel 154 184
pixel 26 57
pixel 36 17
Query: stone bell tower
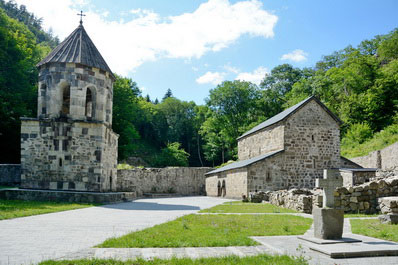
pixel 71 145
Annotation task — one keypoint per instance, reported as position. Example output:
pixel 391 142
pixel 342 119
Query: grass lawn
pixel 231 260
pixel 374 228
pixel 239 207
pixel 5 187
pixel 211 231
pixel 15 208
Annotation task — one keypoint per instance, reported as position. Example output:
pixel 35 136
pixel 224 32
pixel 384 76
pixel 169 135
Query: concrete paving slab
pixel 29 240
pixel 293 246
pixel 369 247
pixel 329 241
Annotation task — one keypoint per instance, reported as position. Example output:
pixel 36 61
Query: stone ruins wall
pixel 312 144
pixel 385 159
pixel 361 198
pixel 261 142
pixel 364 198
pixel 179 180
pixel 10 174
pixel 296 199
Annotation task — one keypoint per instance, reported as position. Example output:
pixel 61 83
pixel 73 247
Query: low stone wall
pixel 10 174
pixel 385 159
pixel 364 198
pixel 178 180
pixel 296 199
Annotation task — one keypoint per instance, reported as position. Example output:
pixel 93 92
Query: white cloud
pixel 214 78
pixel 195 68
pixel 126 44
pixel 255 77
pixel 231 69
pixel 295 56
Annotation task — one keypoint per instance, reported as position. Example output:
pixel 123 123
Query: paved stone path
pixel 31 239
pixel 72 234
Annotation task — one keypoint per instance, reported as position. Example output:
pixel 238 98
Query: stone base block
pixel 66 196
pixel 328 223
pixel 389 219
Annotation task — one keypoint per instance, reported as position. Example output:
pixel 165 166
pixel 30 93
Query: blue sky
pixel 190 46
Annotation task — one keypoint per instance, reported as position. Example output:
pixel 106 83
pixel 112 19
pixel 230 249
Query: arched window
pixel 65 100
pixel 90 102
pixel 43 95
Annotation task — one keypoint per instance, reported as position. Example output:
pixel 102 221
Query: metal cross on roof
pixel 81 17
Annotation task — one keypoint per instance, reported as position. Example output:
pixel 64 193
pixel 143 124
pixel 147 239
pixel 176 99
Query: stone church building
pixel 71 145
pixel 289 150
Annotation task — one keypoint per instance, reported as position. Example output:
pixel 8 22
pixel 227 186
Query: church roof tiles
pixel 244 163
pixel 77 48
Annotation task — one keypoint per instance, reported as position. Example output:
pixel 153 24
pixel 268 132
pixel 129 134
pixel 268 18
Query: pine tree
pixel 168 94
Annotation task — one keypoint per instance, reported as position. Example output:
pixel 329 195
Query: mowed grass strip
pixel 16 208
pixel 211 231
pixel 239 207
pixel 230 260
pixel 373 228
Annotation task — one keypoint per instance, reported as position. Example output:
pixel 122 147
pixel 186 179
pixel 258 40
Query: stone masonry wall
pixel 54 77
pixel 79 156
pixel 179 180
pixel 267 175
pixel 236 183
pixel 261 142
pixel 385 159
pixel 364 198
pixel 10 174
pixel 312 144
pixel 296 199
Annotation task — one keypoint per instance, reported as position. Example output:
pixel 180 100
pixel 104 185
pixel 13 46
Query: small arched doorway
pixel 219 191
pixel 223 188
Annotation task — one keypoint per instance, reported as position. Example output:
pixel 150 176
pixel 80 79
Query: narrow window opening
pixel 89 103
pixel 314 163
pixel 312 136
pixel 65 101
pixel 60 162
pixel 108 108
pixel 43 94
pixel 110 181
pixel 268 176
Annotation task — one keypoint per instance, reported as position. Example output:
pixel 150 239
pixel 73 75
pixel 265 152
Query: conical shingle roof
pixel 77 48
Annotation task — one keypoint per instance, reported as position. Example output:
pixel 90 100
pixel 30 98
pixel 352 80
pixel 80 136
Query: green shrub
pixel 173 155
pixel 358 133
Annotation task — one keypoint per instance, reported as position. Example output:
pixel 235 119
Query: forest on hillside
pixel 359 84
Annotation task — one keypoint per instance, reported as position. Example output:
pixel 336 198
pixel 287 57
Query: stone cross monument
pixel 328 222
pixel 331 180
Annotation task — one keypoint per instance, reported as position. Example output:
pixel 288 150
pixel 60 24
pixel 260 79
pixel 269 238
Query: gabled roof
pixel 77 48
pixel 286 113
pixel 243 163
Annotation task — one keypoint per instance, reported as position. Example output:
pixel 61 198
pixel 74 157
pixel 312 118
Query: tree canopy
pixel 359 84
